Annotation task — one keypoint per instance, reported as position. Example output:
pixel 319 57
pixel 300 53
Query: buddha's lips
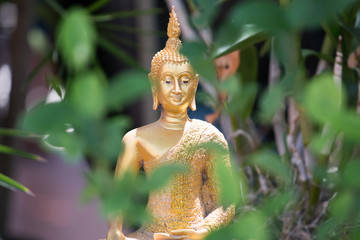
pixel 176 98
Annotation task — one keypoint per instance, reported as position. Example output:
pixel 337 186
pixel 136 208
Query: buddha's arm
pixel 127 161
pixel 216 216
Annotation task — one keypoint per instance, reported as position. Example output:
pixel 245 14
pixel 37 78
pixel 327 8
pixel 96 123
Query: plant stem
pixel 56 6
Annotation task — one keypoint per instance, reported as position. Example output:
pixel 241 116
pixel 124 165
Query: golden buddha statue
pixel 188 206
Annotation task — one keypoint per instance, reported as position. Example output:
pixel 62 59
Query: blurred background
pixel 73 80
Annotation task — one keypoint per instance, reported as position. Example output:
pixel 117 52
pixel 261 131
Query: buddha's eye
pixel 184 79
pixel 168 80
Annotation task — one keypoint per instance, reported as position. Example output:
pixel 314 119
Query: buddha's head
pixel 173 80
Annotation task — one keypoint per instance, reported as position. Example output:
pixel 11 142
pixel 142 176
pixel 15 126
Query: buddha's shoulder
pixel 130 137
pixel 138 133
pixel 206 127
pixel 208 131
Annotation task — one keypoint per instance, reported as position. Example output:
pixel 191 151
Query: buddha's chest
pixel 193 159
pixel 152 146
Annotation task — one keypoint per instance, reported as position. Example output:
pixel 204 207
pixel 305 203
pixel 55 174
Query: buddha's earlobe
pixel 154 93
pixel 193 102
pixel 155 100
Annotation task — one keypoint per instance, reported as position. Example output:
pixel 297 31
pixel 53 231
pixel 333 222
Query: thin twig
pixel 357 65
pixel 293 122
pixel 56 6
pixel 248 137
pixel 326 47
pixel 278 120
pixel 262 181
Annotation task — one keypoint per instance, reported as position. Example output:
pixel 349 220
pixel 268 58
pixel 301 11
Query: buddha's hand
pixel 166 236
pixel 189 234
pixel 115 234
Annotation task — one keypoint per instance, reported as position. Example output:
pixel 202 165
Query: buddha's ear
pixel 193 102
pixel 154 95
pixel 155 100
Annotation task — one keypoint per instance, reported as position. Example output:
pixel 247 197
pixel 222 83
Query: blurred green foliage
pixel 304 185
pixel 76 39
pixel 6 181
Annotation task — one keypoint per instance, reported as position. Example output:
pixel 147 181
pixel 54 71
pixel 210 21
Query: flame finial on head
pixel 173 30
pixel 171 52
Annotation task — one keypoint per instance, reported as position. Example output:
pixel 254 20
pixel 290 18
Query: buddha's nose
pixel 177 88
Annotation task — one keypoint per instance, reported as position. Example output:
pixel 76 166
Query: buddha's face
pixel 176 86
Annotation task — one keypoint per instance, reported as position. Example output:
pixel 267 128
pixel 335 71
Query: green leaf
pixel 114 194
pixel 97 180
pixel 231 86
pixel 276 204
pixel 123 196
pixel 348 123
pixel 198 54
pixel 231 38
pixel 231 184
pixel 324 102
pixel 342 206
pixel 327 230
pixel 119 53
pixel 332 30
pixel 87 95
pixel 242 103
pixel 125 14
pixel 17 133
pixel 227 232
pixel 249 73
pixel 44 118
pixel 56 6
pixel 13 185
pixel 287 47
pixel 252 225
pixel 249 68
pixel 231 187
pixel 354 31
pixel 126 88
pixel 323 140
pixel 113 131
pixel 137 214
pixel 16 152
pixel 271 102
pixel 38 41
pixel 55 84
pixel 305 13
pixel 351 176
pixel 97 5
pixel 272 163
pixel 207 99
pixel 355 233
pixel 76 39
pixel 72 143
pixel 269 16
pixel 309 52
pixel 162 175
pixel 323 98
pixel 207 10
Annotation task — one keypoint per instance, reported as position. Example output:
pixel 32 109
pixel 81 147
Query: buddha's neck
pixel 173 121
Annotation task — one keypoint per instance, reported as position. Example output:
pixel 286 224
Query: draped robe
pixel 190 200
